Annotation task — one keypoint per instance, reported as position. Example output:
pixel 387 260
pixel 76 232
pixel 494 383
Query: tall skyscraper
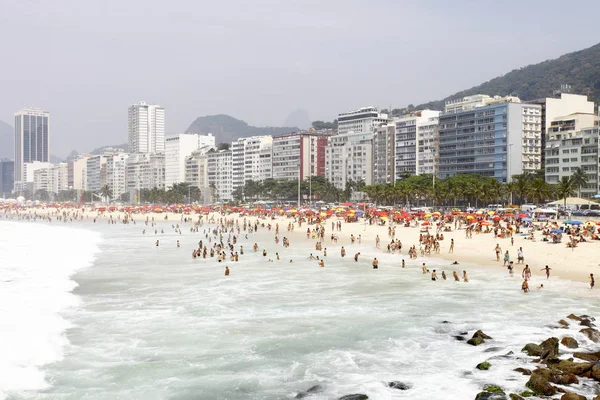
pixel 32 138
pixel 146 128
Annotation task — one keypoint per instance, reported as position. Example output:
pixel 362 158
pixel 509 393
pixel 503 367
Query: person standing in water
pixel 592 281
pixel 455 275
pixel 343 252
pixel 547 269
pixel 525 286
pixel 375 263
pixel 498 250
pixel 451 246
pixel 226 271
pixel 465 277
pixel 434 276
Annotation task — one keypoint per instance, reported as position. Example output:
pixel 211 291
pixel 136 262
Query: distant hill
pixel 226 128
pixel 117 147
pixel 7 141
pixel 298 118
pixel 580 70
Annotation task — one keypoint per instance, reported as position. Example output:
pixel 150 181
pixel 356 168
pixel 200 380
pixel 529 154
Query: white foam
pixel 36 263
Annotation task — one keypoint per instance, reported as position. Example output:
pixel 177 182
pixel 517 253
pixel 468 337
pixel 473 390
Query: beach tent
pixel 572 201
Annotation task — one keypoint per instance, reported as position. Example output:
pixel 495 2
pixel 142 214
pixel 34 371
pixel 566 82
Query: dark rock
pixel 445 322
pixel 524 371
pixel 314 389
pixel 592 334
pixel 493 389
pixel 459 338
pixel 527 393
pixel 482 335
pixel 591 357
pixel 595 372
pixel 539 384
pixel 574 317
pixel 464 333
pixel 572 396
pixel 586 322
pixel 484 366
pixel 569 342
pixel 515 397
pixel 565 379
pixel 358 396
pixel 549 349
pixel 490 396
pixel 574 368
pixel 587 317
pixel 398 385
pixel 492 349
pixel 563 323
pixel 532 349
pixel 475 341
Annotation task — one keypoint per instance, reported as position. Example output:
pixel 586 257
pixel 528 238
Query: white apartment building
pixel 29 175
pixel 78 172
pixel 95 173
pixel 177 148
pixel 220 176
pixel 116 174
pixel 237 166
pixel 428 143
pixel 416 137
pixel 384 154
pixel 145 171
pixel 52 179
pixel 196 171
pixel 348 157
pixel 32 140
pixel 363 120
pixel 146 128
pixel 299 154
pixel 251 159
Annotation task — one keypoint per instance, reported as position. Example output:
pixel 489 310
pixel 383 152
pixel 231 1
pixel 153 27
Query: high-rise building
pixel 363 120
pixel 384 153
pixel 146 128
pixel 145 171
pixel 349 157
pixel 416 138
pixel 116 174
pixel 53 179
pixel 7 177
pixel 299 154
pixel 32 139
pixel 499 139
pixel 251 160
pixel 220 182
pixel 177 148
pixel 77 172
pixel 196 171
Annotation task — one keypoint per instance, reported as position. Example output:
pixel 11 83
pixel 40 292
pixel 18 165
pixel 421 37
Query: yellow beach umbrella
pixel 470 217
pixel 384 218
pixel 427 216
pixel 491 213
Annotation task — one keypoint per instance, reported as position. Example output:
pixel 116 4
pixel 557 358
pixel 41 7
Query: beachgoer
pixel 444 275
pixel 455 275
pixel 525 286
pixel 498 250
pixel 375 263
pixel 434 276
pixel 465 277
pixel 451 246
pixel 226 271
pixel 547 269
pixel 592 281
pixel 356 256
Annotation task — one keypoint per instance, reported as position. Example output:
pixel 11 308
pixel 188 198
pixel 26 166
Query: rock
pixel 314 389
pixel 570 367
pixel 595 373
pixel 584 316
pixel 398 385
pixel 492 349
pixel 445 322
pixel 482 335
pixel 532 350
pixel 523 371
pixel 527 393
pixel 591 357
pixel 459 338
pixel 515 397
pixel 358 396
pixel 574 317
pixel 586 322
pixel 549 349
pixel 562 322
pixel 540 385
pixel 569 342
pixel 475 341
pixel 484 366
pixel 565 379
pixel 493 389
pixel 592 334
pixel 572 396
pixel 489 396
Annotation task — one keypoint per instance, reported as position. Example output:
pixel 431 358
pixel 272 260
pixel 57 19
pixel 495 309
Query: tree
pixel 42 195
pixel 565 188
pixel 318 125
pixel 223 146
pixel 579 179
pixel 124 197
pixel 67 195
pixel 106 193
pixel 539 190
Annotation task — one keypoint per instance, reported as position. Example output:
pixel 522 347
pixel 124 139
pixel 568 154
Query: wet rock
pixel 564 323
pixel 358 396
pixel 487 395
pixel 549 349
pixel 493 389
pixel 572 396
pixel 475 341
pixel 574 317
pixel 484 366
pixel 459 338
pixel 310 391
pixel 445 322
pixel 482 335
pixel 527 393
pixel 569 342
pixel 398 385
pixel 532 350
pixel 595 372
pixel 515 397
pixel 591 334
pixel 492 349
pixel 565 379
pixel 540 385
pixel 523 371
pixel 591 357
pixel 584 316
pixel 570 367
pixel 587 322
pixel 464 333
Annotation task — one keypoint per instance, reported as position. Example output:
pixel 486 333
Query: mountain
pixel 298 118
pixel 117 147
pixel 7 141
pixel 580 70
pixel 226 128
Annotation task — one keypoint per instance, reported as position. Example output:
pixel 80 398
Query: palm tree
pixel 539 190
pixel 106 193
pixel 579 179
pixel 565 188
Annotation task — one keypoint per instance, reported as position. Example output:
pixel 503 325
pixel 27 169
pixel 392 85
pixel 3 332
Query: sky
pixel 259 60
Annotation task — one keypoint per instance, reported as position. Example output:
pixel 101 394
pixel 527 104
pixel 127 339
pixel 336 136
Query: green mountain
pixel 226 128
pixel 580 70
pixel 7 141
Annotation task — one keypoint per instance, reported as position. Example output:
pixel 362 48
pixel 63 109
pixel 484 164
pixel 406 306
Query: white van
pixel 528 207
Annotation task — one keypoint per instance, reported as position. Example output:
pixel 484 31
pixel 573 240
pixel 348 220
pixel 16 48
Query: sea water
pixel 147 322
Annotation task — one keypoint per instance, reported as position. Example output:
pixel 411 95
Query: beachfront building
pixel 196 171
pixel 7 177
pixel 349 157
pixel 26 185
pixel 95 173
pixel 497 137
pixel 416 136
pixel 251 160
pixel 77 172
pixel 177 148
pixel 363 120
pixel 116 174
pixel 572 143
pixel 384 146
pixel 146 128
pixel 299 154
pixel 145 171
pixel 220 179
pixel 52 179
pixel 32 140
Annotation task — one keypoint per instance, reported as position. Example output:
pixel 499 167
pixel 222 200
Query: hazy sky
pixel 86 61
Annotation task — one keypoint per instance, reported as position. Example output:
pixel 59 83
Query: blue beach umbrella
pixel 526 219
pixel 557 231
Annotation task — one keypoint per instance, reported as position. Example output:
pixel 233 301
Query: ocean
pixel 97 311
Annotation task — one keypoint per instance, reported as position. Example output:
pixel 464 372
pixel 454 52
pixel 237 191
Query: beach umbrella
pixel 436 213
pixel 526 219
pixel 491 213
pixel 556 231
pixel 427 216
pixel 425 223
pixel 496 218
pixel 486 223
pixel 542 216
pixel 522 215
pixel 384 218
pixel 470 217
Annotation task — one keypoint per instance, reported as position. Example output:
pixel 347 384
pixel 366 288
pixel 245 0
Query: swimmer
pixel 424 268
pixel 434 276
pixel 264 253
pixel 325 252
pixel 444 275
pixel 178 244
pixel 455 263
pixel 343 252
pixel 403 263
pixel 525 286
pixel 157 243
pixel 465 277
pixel 226 271
pixel 455 275
pixel 540 287
pixel 311 257
pixel 547 269
pixel 375 263
pixel 592 281
pixel 322 264
pixel 356 256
